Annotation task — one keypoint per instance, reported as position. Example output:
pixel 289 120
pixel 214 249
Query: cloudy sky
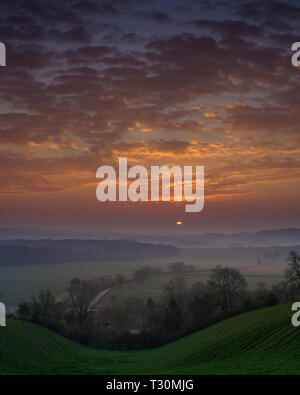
pixel 160 82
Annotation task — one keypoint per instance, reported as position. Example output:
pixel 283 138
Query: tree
pixel 292 272
pixel 40 309
pixel 175 289
pixel 229 284
pixel 190 267
pixel 143 273
pixel 173 316
pixel 284 292
pixel 81 295
pixel 146 272
pixel 120 279
pixel 24 311
pixel 150 304
pixel 47 302
pixel 134 306
pixel 177 267
pixel 289 289
pixel 150 312
pixel 201 307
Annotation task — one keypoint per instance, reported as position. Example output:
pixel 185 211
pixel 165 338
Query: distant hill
pixel 38 252
pixel 9 233
pixel 259 342
pixel 264 238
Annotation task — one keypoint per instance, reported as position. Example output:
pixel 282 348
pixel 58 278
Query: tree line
pixel 38 252
pixel 134 323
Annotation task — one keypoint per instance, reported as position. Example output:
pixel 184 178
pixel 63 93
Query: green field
pixel 259 342
pixel 19 283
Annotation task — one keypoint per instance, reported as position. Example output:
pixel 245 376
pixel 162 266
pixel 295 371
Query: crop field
pixel 19 283
pixel 259 342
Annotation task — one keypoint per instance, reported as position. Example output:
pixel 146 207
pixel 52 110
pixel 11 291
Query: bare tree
pixel 175 289
pixel 81 296
pixel 229 284
pixel 47 303
pixel 292 272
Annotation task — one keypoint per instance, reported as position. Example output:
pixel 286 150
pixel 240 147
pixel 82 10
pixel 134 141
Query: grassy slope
pixel 262 341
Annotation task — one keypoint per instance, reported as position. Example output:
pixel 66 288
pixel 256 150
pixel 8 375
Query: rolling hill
pixel 259 342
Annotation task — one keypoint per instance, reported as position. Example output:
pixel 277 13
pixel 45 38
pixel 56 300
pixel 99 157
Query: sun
pixel 178 223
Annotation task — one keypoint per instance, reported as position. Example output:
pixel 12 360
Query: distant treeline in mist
pixel 38 252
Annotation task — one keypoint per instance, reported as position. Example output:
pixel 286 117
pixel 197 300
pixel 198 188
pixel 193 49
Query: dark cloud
pixel 260 10
pixel 87 7
pixel 132 38
pixel 230 27
pixel 75 35
pixel 276 15
pixel 156 16
pixel 89 54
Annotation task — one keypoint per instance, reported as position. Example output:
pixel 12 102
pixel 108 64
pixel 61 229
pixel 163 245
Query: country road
pixel 101 294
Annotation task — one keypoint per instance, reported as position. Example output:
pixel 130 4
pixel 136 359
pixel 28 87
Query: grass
pixel 259 342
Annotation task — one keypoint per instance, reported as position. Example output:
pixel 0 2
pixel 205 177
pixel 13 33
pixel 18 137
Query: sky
pixel 206 83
